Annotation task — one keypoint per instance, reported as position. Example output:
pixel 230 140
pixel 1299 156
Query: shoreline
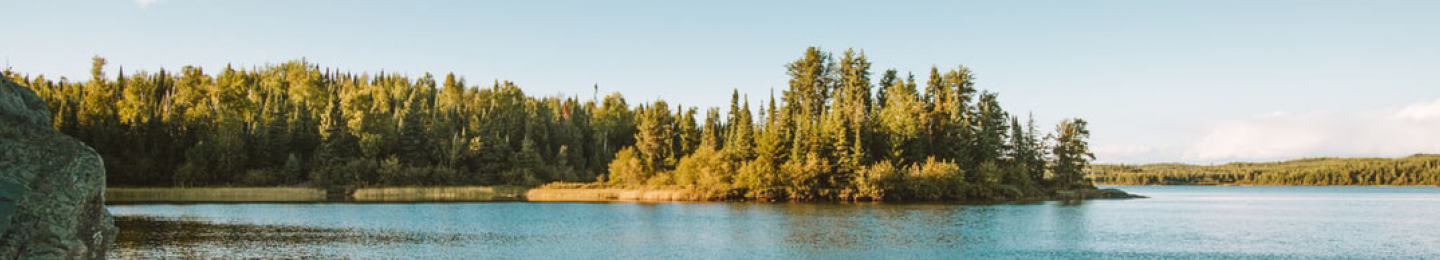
pixel 122 196
pixel 1270 185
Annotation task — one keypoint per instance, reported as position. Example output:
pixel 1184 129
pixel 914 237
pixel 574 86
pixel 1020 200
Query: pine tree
pixel 1072 153
pixel 337 144
pixel 655 137
pixel 687 131
pixel 901 124
pixel 991 129
pixel 412 148
pixel 712 132
pixel 889 79
pixel 805 101
pixel 740 141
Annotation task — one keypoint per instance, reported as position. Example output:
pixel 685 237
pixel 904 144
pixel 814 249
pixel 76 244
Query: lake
pixel 1227 222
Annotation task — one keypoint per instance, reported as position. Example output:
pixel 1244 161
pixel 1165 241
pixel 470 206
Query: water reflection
pixel 159 237
pixel 1176 222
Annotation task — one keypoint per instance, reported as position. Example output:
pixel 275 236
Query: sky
pixel 1201 82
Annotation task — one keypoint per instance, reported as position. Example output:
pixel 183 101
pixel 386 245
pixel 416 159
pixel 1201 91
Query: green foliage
pixel 655 139
pixel 880 181
pixel 1072 153
pixel 627 168
pixel 296 124
pixel 901 125
pixel 935 180
pixel 707 169
pixel 828 136
pixel 805 177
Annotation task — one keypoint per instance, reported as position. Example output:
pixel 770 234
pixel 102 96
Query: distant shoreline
pixel 1274 185
pixel 1414 170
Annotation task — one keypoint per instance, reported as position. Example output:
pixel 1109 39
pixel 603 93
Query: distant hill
pixel 1419 169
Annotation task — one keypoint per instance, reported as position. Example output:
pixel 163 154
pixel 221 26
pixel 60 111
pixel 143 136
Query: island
pixel 298 132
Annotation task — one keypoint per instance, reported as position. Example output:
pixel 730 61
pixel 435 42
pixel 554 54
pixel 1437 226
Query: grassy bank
pixel 560 192
pixel 594 192
pixel 464 193
pixel 252 194
pixel 404 194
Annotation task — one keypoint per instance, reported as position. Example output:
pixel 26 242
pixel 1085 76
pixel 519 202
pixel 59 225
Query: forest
pixel 1420 169
pixel 833 134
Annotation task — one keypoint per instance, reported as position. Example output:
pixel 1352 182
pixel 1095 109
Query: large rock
pixel 1083 194
pixel 52 186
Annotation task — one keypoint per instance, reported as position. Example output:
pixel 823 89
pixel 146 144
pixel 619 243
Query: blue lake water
pixel 1219 222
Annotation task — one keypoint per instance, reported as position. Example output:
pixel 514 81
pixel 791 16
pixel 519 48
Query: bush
pixel 758 179
pixel 350 173
pixel 440 175
pixel 935 180
pixel 262 177
pixel 390 172
pixel 626 168
pixel 707 169
pixel 294 169
pixel 805 176
pixel 879 181
pixel 524 176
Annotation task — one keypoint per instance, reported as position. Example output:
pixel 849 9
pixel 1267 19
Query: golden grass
pixel 550 192
pixel 252 194
pixel 462 193
pixel 612 194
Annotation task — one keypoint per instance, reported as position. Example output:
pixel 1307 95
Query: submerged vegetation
pixel 165 237
pixel 1420 169
pixel 833 134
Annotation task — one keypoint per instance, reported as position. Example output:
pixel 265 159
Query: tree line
pixel 1420 169
pixel 832 134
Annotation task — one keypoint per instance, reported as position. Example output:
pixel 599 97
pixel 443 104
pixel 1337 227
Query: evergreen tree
pixel 655 137
pixel 713 131
pixel 687 132
pixel 828 136
pixel 740 141
pixel 1072 153
pixel 412 148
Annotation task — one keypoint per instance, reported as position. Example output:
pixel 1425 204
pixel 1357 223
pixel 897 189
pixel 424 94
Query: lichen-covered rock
pixel 52 186
pixel 1081 194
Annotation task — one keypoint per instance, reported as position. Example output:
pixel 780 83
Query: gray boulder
pixel 1083 194
pixel 52 186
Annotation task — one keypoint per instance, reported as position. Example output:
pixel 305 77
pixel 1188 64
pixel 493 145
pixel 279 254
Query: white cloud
pixel 1122 150
pixel 1421 111
pixel 1120 153
pixel 1279 135
pixel 146 3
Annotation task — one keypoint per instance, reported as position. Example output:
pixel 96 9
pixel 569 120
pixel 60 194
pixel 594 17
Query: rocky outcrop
pixel 52 203
pixel 1083 194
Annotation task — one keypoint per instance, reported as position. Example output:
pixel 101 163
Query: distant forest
pixel 1420 169
pixel 833 134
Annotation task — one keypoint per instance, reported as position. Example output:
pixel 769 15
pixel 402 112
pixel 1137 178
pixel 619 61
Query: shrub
pixel 390 172
pixel 262 177
pixel 935 180
pixel 626 168
pixel 758 179
pixel 352 172
pixel 879 181
pixel 805 176
pixel 707 169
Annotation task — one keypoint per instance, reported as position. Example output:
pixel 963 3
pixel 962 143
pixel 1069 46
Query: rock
pixel 1092 193
pixel 52 203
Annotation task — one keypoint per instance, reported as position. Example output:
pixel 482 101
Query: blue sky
pixel 1160 81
